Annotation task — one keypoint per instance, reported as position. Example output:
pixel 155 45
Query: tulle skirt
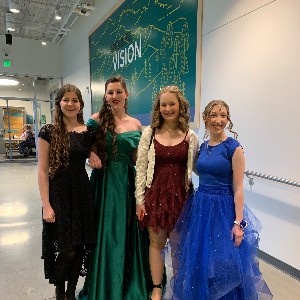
pixel 206 264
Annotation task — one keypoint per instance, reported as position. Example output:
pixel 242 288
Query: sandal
pixel 156 286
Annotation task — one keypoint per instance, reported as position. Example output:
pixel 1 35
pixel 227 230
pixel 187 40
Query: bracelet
pixel 243 224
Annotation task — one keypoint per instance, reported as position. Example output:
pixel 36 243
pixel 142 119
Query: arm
pixel 134 156
pixel 134 152
pixel 26 134
pixel 196 153
pixel 43 179
pixel 141 170
pixel 94 160
pixel 238 167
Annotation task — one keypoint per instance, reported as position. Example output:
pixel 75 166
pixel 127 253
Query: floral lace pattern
pixel 71 197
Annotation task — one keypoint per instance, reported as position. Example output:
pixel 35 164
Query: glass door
pixel 27 108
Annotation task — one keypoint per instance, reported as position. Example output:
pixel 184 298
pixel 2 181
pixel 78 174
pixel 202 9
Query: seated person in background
pixel 23 129
pixel 26 146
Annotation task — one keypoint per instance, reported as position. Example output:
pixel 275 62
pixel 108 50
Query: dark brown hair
pixel 107 121
pixel 60 143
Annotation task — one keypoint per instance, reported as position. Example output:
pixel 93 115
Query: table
pixel 15 144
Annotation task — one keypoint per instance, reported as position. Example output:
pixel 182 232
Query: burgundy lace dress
pixel 167 194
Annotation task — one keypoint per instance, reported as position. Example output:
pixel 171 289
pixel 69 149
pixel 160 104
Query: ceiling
pixel 36 19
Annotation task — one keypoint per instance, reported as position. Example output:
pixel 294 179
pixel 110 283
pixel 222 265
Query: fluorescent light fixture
pixel 10 22
pixel 8 81
pixel 57 15
pixel 13 7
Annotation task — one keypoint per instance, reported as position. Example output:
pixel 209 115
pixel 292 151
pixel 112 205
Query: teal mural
pixel 151 43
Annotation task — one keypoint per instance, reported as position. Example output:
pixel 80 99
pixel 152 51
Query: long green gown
pixel 119 267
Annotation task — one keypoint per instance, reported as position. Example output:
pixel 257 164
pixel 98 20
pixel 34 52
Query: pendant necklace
pixel 209 148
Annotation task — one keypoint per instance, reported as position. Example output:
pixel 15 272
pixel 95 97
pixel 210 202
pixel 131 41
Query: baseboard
pixel 282 266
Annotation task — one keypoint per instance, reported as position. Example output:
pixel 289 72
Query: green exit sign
pixel 6 63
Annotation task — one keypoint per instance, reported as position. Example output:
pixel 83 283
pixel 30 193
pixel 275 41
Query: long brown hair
pixel 206 113
pixel 107 121
pixel 184 109
pixel 60 143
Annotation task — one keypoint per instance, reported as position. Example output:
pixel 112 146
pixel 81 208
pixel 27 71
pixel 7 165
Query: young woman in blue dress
pixel 216 238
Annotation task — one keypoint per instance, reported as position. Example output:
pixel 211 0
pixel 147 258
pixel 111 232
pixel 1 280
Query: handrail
pixel 251 174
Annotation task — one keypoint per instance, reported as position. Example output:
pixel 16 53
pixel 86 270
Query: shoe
pixel 60 291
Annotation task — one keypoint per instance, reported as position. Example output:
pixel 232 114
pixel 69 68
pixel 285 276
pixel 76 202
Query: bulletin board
pixel 16 120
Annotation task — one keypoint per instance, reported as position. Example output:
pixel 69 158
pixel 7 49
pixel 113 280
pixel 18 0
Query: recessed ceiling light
pixel 44 42
pixel 8 81
pixel 57 15
pixel 13 7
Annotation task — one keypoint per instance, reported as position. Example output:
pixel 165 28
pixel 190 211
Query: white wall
pixel 251 60
pixel 31 57
pixel 25 91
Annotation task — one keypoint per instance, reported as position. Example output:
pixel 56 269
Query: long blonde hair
pixel 184 109
pixel 60 143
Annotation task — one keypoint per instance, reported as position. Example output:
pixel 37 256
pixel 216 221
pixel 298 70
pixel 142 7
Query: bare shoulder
pixel 135 123
pixel 238 153
pixel 95 116
pixel 189 134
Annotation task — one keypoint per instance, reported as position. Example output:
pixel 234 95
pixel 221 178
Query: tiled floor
pixel 21 272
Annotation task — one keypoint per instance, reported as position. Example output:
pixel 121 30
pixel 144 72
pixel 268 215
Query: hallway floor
pixel 21 275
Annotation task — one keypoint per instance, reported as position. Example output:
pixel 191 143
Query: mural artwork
pixel 151 44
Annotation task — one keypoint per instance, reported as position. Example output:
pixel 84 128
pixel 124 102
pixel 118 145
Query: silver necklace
pixel 212 147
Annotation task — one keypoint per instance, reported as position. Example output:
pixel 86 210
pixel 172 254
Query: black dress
pixel 71 197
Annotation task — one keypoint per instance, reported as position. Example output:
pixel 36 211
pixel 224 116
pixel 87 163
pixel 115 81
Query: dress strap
pixel 186 134
pixel 151 138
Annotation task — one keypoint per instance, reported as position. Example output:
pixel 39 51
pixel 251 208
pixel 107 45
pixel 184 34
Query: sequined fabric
pixel 167 194
pixel 206 263
pixel 71 197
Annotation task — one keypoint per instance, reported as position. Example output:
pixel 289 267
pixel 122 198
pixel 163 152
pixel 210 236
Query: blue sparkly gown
pixel 206 264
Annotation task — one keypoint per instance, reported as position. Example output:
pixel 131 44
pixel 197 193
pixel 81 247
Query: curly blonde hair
pixel 107 121
pixel 206 114
pixel 60 142
pixel 184 109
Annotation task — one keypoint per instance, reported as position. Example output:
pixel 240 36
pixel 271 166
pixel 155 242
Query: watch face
pixel 243 224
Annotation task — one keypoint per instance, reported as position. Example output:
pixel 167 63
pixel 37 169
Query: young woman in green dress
pixel 119 267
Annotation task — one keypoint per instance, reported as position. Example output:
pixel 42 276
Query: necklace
pixel 171 131
pixel 209 148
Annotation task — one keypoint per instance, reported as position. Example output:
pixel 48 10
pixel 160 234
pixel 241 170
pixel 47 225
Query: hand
pixel 237 234
pixel 139 209
pixel 48 214
pixel 94 161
